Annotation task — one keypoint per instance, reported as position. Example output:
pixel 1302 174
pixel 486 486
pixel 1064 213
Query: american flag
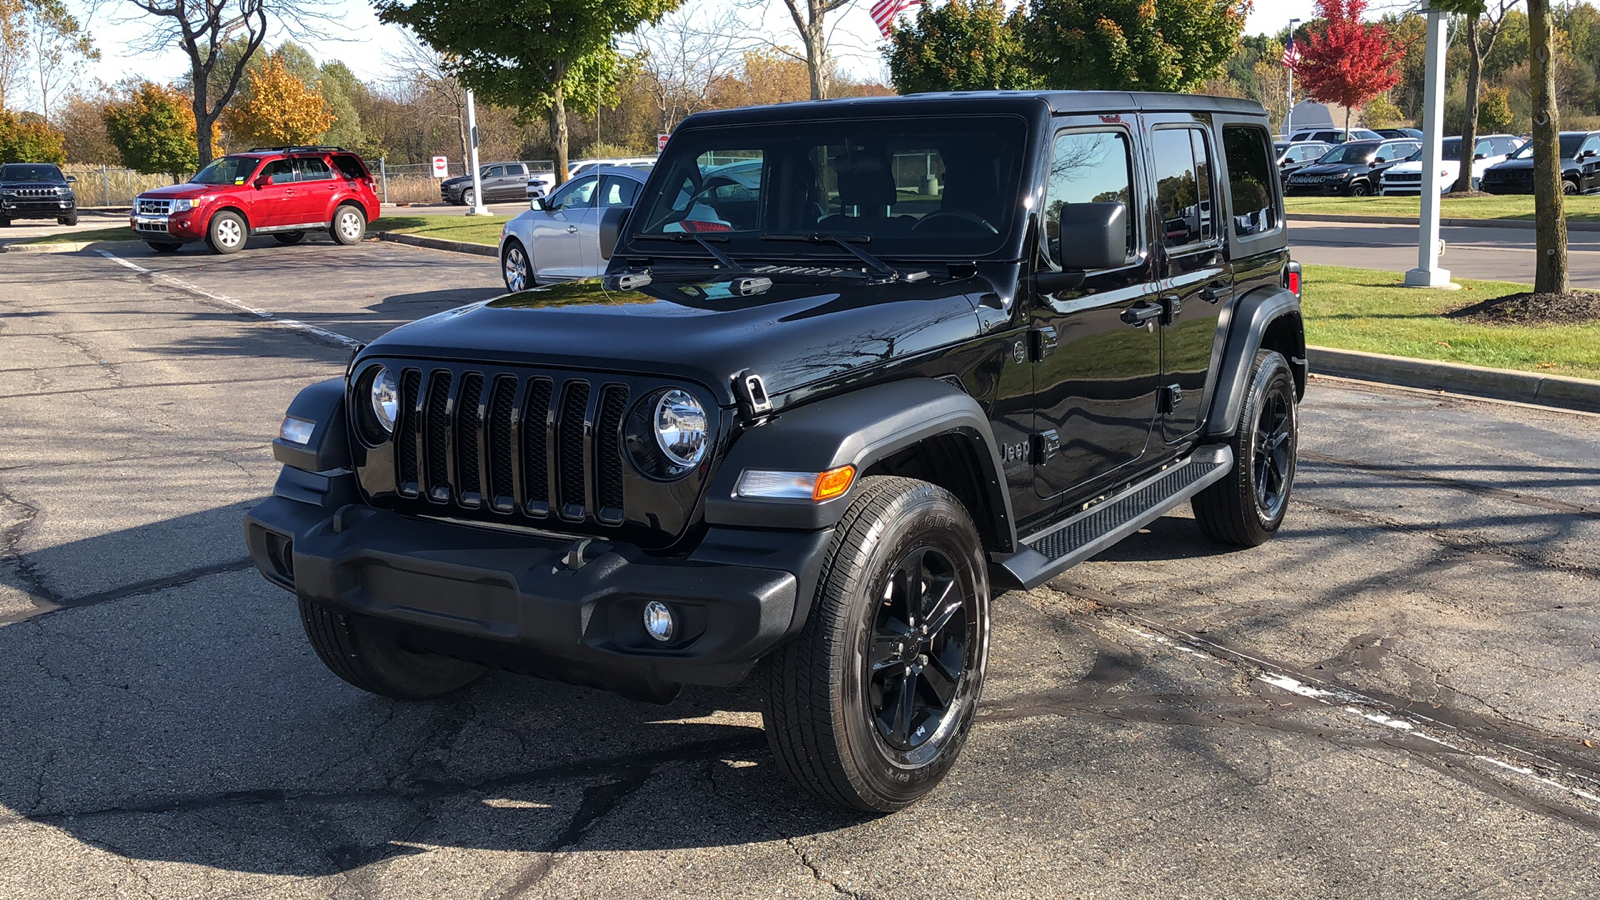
pixel 1291 54
pixel 884 12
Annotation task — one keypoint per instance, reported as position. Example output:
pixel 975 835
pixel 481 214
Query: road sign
pixel 441 167
pixel 661 142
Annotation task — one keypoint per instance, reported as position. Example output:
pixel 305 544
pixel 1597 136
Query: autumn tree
pixel 154 131
pixel 1483 24
pixel 1347 61
pixel 1145 45
pixel 963 45
pixel 811 24
pixel 529 54
pixel 280 110
pixel 26 138
pixel 764 77
pixel 81 119
pixel 1549 221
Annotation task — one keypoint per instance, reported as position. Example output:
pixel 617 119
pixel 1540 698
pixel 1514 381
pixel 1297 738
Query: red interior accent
pixel 703 227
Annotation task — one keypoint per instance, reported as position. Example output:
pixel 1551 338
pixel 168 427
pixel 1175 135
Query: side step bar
pixel 1063 545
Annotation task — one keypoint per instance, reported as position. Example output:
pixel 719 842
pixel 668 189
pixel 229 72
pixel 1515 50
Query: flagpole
pixel 1288 116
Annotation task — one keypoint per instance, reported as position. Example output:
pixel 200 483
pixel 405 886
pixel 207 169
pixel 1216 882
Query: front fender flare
pixel 857 429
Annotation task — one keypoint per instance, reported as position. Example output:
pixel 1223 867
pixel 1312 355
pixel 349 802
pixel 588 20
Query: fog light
pixel 658 621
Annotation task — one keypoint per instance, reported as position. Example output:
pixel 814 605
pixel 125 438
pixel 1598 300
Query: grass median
pixel 467 229
pixel 1580 208
pixel 1365 309
pixel 83 236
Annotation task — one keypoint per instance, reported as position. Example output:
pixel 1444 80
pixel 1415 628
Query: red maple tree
pixel 1348 61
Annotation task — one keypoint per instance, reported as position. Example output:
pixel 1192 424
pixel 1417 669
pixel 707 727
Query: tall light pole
pixel 478 209
pixel 1288 115
pixel 1427 273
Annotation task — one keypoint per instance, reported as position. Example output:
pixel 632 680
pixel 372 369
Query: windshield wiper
pixel 847 241
pixel 683 237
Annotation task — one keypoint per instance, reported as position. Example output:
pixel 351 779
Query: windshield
pixel 227 170
pixel 30 173
pixel 1569 147
pixel 910 187
pixel 1348 153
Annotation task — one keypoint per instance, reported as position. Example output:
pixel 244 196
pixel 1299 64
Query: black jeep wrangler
pixel 854 367
pixel 36 191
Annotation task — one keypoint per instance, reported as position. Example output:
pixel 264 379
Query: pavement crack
pixel 597 803
pixel 816 871
pixel 43 597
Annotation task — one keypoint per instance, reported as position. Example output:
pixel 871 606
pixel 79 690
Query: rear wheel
pixel 227 232
pixel 289 237
pixel 372 657
pixel 870 705
pixel 349 225
pixel 1248 505
pixel 163 247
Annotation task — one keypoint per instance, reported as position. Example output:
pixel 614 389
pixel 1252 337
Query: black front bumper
pixel 37 209
pixel 1506 187
pixel 558 607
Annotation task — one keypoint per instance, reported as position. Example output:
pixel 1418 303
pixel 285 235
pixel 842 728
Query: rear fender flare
pixel 858 429
pixel 1248 327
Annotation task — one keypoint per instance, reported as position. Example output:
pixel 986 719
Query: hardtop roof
pixel 970 102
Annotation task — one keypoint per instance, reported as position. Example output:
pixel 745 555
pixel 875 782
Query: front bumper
pixel 1506 187
pixel 1319 189
pixel 172 227
pixel 36 208
pixel 558 607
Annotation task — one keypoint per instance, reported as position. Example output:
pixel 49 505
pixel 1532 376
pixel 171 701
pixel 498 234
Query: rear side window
pixel 312 169
pixel 1183 186
pixel 1249 179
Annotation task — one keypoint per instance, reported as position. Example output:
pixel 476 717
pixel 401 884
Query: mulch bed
pixel 1466 195
pixel 1567 308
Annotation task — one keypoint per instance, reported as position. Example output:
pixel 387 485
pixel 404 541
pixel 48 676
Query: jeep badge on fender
pixel 994 334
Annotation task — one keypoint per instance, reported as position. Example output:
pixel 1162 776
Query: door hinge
pixel 1171 306
pixel 1044 342
pixel 1046 444
pixel 1171 398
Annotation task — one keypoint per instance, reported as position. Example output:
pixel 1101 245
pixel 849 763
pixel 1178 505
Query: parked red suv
pixel 286 192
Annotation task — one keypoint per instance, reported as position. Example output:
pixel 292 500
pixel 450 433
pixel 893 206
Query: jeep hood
pixel 791 335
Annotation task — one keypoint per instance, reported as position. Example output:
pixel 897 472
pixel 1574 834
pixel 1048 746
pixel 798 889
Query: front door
pixel 272 204
pixel 1097 347
pixel 1195 280
pixel 557 249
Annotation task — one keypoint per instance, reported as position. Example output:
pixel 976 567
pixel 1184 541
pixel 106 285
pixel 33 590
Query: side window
pixel 575 194
pixel 495 172
pixel 1183 186
pixel 1087 167
pixel 312 169
pixel 616 191
pixel 1592 145
pixel 1249 179
pixel 281 171
pixel 516 169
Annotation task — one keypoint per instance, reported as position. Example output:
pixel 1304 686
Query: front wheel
pixel 1248 505
pixel 1360 189
pixel 349 225
pixel 515 267
pixel 227 232
pixel 870 705
pixel 1569 187
pixel 371 657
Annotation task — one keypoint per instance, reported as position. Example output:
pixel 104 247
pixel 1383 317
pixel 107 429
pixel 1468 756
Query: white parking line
pixel 295 324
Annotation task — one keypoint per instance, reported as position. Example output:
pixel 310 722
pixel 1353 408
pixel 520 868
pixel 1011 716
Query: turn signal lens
pixel 296 431
pixel 832 483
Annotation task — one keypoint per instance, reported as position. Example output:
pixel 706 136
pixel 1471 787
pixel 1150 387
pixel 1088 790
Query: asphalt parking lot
pixel 1397 697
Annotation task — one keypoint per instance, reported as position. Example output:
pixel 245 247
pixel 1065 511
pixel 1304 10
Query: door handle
pixel 572 229
pixel 1139 315
pixel 1216 293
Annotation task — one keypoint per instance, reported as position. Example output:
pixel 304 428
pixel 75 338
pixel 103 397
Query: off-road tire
pixel 349 225
pixel 818 702
pixel 370 656
pixel 289 237
pixel 163 247
pixel 219 234
pixel 1232 510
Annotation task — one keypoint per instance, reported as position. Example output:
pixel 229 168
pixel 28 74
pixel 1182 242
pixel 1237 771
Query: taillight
pixel 1292 279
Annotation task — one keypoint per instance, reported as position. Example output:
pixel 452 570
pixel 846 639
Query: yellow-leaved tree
pixel 278 109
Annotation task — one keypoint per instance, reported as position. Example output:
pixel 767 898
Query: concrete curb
pixel 439 244
pixel 1526 224
pixel 1558 391
pixel 59 247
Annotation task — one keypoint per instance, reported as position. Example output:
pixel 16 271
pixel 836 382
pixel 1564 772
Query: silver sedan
pixel 558 238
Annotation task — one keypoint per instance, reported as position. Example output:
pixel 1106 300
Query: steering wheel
pixel 971 218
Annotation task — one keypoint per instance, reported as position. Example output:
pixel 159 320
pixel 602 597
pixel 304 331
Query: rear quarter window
pixel 1250 180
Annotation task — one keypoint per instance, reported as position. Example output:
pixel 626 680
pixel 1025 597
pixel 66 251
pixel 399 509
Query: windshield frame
pixel 219 161
pixel 692 140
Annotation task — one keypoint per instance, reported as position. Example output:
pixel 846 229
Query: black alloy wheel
pixel 1359 189
pixel 1248 505
pixel 1274 437
pixel 921 642
pixel 1568 186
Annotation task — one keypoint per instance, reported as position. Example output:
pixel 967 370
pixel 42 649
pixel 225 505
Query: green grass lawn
pixel 1362 309
pixel 1582 208
pixel 117 233
pixel 471 229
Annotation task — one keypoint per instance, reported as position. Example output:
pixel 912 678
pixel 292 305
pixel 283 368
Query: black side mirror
pixel 1093 235
pixel 611 221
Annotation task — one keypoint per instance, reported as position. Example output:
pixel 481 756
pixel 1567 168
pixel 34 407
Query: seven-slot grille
pixel 519 445
pixel 153 207
pixel 36 193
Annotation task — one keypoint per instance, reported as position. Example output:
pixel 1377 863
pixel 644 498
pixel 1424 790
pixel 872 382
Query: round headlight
pixel 385 399
pixel 681 428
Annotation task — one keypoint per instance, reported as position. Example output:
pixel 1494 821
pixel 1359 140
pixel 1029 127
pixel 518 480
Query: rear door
pixel 1195 282
pixel 1096 357
pixel 513 184
pixel 557 249
pixel 315 187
